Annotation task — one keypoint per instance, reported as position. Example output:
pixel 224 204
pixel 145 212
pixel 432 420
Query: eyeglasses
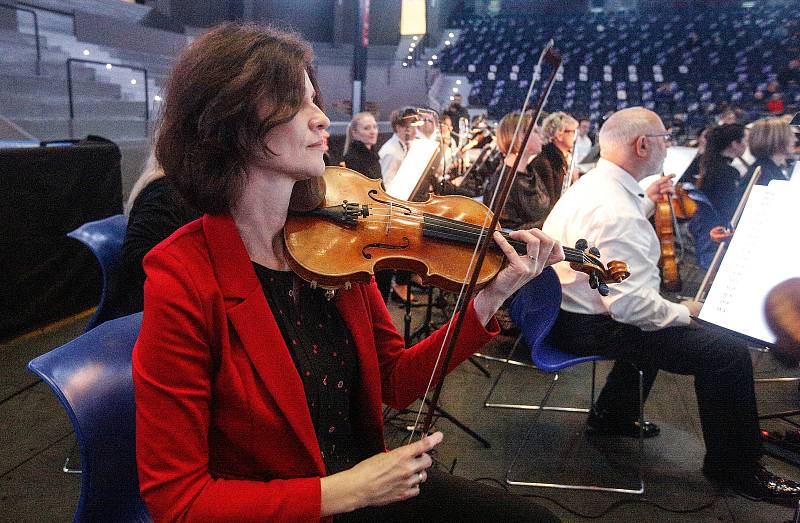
pixel 666 136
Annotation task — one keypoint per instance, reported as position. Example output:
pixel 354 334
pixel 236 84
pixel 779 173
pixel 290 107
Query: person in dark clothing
pixel 771 143
pixel 359 146
pixel 717 178
pixel 456 112
pixel 691 172
pixel 528 202
pixel 552 164
pixel 155 210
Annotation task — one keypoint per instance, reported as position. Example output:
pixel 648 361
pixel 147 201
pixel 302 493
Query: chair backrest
pixel 534 310
pixel 91 376
pixel 104 238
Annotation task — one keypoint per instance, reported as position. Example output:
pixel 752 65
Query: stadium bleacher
pixel 686 63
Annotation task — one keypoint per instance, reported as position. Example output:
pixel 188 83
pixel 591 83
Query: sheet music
pixel 420 153
pixel 759 257
pixel 796 177
pixel 676 162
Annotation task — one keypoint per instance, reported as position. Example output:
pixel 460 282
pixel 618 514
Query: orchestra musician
pixel 528 201
pixel 405 122
pixel 635 325
pixel 257 399
pixel 552 164
pixel 717 178
pixel 359 146
pixel 771 142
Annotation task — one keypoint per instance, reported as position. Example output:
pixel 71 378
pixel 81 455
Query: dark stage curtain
pixel 46 192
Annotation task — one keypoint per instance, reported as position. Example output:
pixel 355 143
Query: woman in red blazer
pixel 258 399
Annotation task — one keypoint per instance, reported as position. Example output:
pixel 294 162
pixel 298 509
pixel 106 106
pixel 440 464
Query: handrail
pixel 84 61
pixel 35 32
pixel 70 14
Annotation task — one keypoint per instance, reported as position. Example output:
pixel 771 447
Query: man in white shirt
pixel 404 124
pixel 636 326
pixel 583 142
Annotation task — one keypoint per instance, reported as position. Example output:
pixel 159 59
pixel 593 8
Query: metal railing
pixel 70 61
pixel 35 31
pixel 70 14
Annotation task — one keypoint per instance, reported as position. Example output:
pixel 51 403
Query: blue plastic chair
pixel 91 376
pixel 104 238
pixel 534 310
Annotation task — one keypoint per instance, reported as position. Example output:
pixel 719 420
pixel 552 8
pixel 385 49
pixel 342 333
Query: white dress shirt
pixel 582 147
pixel 391 155
pixel 609 209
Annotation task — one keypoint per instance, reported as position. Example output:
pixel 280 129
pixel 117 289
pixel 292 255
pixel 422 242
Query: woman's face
pixel 298 144
pixel 365 130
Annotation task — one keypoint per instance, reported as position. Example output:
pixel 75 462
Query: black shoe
pixel 755 482
pixel 601 423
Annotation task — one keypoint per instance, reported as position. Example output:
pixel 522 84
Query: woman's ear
pixel 307 195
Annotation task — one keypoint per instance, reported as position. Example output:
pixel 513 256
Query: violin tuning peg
pixel 602 289
pixel 594 281
pixel 581 245
pixel 595 251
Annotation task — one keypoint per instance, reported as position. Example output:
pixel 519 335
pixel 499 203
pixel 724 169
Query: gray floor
pixel 35 435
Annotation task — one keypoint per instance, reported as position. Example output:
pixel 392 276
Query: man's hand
pixel 693 306
pixel 661 186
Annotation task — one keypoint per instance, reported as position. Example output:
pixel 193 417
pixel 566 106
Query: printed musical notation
pixel 761 254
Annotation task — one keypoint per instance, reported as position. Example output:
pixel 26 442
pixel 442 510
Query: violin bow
pixel 550 56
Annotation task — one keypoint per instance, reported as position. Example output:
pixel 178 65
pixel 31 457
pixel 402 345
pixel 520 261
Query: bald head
pixel 633 139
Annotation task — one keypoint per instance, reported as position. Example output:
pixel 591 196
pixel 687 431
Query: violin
pixel 667 263
pixel 358 229
pixel 669 209
pixel 683 206
pixel 782 311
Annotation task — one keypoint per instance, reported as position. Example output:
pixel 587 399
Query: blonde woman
pixel 155 210
pixel 359 146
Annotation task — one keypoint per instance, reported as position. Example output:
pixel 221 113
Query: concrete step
pixel 47 87
pixel 61 128
pixel 10 53
pixel 49 70
pixel 37 108
pixel 15 37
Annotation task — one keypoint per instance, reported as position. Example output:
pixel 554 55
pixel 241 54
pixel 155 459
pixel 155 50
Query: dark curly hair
pixel 210 128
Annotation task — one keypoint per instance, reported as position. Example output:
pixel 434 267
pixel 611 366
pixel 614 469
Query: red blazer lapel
pixel 255 325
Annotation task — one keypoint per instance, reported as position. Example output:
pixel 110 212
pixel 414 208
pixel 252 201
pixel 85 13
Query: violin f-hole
pixel 368 256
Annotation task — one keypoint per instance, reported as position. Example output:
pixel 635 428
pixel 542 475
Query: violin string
pixel 462 228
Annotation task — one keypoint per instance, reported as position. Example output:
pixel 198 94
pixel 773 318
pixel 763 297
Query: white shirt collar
pixel 623 177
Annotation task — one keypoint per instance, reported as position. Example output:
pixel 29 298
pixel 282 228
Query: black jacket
pixel 552 167
pixel 366 161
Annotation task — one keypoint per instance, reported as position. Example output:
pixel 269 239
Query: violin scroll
pixel 587 260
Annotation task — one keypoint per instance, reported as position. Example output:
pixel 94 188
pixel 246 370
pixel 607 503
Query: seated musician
pixel 256 398
pixel 528 201
pixel 635 325
pixel 359 146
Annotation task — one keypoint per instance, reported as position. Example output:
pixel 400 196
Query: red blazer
pixel 223 430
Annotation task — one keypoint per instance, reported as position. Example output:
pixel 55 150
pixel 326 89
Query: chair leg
pixel 526 439
pixel 521 406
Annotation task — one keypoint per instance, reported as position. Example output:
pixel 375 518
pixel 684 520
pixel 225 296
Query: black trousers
pixel 446 498
pixel 720 364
